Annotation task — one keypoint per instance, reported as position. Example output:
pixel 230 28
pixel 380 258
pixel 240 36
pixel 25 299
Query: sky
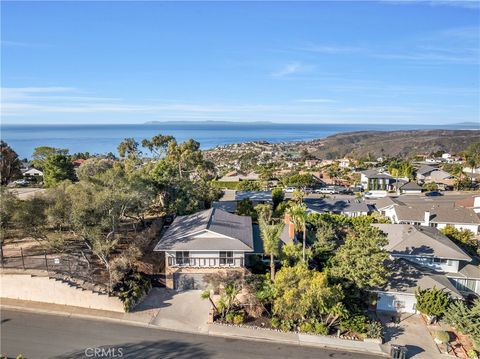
pixel 122 62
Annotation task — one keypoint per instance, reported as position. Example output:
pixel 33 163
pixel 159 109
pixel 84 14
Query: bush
pixel 442 336
pixel 432 301
pixel 374 330
pixel 275 322
pixel 356 324
pixel 132 289
pixel 238 318
pixel 229 317
pixel 466 320
pixel 321 329
pixel 472 354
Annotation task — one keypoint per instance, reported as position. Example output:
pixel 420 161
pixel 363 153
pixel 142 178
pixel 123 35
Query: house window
pixel 439 260
pixel 465 285
pixel 182 257
pixel 226 258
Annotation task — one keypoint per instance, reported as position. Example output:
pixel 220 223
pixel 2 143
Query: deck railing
pixel 205 262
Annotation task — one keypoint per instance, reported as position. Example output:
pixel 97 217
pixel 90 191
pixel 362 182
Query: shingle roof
pixel 228 206
pixel 386 202
pixel 405 239
pixel 425 169
pixel 407 278
pixel 375 174
pixel 439 213
pixel 230 232
pixel 336 205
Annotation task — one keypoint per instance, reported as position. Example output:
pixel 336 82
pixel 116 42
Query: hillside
pixel 394 143
pixel 353 144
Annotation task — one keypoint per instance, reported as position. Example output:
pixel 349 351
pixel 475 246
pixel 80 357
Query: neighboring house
pixel 432 174
pixel 237 176
pixel 32 172
pixel 210 241
pixel 438 215
pixel 344 163
pixel 374 180
pixel 231 198
pixel 472 202
pixel 349 208
pixel 410 188
pixel 468 170
pixel 422 257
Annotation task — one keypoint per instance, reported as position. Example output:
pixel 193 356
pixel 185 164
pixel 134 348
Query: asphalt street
pixel 54 336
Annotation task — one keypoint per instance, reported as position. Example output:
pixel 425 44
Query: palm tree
pixel 298 216
pixel 270 234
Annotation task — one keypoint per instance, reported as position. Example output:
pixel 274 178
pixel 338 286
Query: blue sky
pixel 319 62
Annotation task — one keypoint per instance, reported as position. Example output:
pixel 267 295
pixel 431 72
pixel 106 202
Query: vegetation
pixel 57 168
pixel 132 289
pixel 270 234
pixel 465 319
pixel 432 302
pixel 9 164
pixel 464 238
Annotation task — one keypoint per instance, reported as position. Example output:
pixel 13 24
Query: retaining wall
pixel 49 290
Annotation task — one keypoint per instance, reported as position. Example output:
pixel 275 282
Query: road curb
pixel 158 327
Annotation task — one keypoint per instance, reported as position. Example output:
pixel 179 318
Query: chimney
pixel 427 219
pixel 291 227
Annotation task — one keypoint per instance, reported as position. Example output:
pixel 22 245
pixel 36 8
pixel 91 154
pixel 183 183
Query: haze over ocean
pixel 105 138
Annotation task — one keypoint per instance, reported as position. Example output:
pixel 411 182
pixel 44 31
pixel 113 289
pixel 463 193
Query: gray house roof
pixel 387 202
pixel 228 206
pixel 256 196
pixel 336 205
pixel 439 213
pixel 375 174
pixel 407 278
pixel 228 232
pixel 405 239
pixel 426 169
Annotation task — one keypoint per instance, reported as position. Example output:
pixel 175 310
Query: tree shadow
pixel 413 350
pixel 165 349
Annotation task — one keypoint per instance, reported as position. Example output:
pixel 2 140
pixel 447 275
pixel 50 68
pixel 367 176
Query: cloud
pixel 291 68
pixel 315 100
pixel 330 49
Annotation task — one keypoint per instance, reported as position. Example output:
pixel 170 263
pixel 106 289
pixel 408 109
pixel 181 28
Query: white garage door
pixel 393 302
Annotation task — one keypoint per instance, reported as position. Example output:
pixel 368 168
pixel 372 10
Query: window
pixel 465 285
pixel 226 258
pixel 182 257
pixel 439 260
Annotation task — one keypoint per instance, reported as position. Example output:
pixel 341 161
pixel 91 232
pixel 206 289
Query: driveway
pixel 412 333
pixel 185 311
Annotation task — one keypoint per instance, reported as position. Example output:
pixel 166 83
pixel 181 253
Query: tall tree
pixel 57 168
pixel 298 216
pixel 270 234
pixel 361 260
pixel 9 164
pixel 41 153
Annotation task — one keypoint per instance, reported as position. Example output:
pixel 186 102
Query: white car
pixel 326 190
pixel 373 195
pixel 289 190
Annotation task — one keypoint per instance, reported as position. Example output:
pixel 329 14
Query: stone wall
pixel 49 290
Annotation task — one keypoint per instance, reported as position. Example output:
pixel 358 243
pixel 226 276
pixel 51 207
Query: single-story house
pixel 231 198
pixel 237 176
pixel 428 173
pixel 32 172
pixel 207 242
pixel 410 188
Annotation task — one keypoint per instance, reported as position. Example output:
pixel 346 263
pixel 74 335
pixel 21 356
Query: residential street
pixel 50 336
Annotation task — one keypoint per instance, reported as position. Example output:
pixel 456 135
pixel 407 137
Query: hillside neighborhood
pixel 360 254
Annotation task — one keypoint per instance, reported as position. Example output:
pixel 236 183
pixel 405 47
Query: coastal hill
pixel 393 143
pixel 351 144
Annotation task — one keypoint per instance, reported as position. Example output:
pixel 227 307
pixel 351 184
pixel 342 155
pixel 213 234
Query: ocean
pixel 105 138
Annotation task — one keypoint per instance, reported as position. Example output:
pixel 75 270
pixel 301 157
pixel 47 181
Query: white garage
pixel 396 302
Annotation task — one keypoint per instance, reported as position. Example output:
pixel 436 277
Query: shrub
pixel 306 327
pixel 238 318
pixel 466 320
pixel 132 289
pixel 432 301
pixel 356 324
pixel 229 317
pixel 275 322
pixel 442 336
pixel 321 329
pixel 374 330
pixel 286 325
pixel 472 354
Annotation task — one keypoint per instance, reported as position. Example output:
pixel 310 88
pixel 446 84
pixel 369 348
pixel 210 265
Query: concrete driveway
pixel 185 311
pixel 412 333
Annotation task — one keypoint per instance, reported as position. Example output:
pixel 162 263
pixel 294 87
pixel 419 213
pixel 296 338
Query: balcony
pixel 210 262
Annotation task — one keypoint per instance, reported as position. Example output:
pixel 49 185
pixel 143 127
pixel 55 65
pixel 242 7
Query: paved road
pixel 50 336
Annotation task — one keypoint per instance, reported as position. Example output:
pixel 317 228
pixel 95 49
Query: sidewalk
pixel 151 318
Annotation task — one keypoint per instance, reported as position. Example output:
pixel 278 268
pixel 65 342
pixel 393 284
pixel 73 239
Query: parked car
pixel 20 182
pixel 327 190
pixel 434 194
pixel 374 195
pixel 289 190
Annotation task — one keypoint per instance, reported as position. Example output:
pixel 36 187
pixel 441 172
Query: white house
pixel 422 257
pixel 32 172
pixel 210 241
pixel 376 180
